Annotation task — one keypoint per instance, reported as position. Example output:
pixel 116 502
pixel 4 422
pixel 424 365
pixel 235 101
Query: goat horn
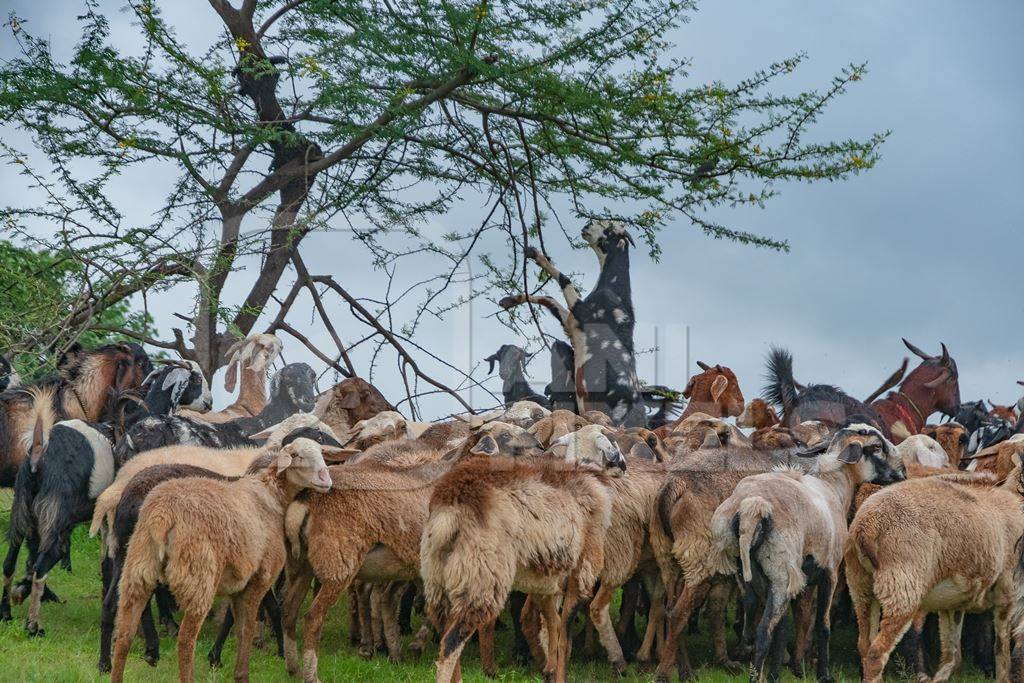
pixel 916 351
pixel 892 381
pixel 1020 382
pixel 945 355
pixel 703 366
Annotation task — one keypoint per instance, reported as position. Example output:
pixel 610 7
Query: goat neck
pixel 615 272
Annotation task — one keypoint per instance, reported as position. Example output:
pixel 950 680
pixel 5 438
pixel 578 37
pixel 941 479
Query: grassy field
pixel 69 650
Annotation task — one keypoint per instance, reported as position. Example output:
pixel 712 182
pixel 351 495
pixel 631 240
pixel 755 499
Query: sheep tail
pixel 867 549
pixel 755 521
pixel 147 552
pixel 439 536
pixel 781 388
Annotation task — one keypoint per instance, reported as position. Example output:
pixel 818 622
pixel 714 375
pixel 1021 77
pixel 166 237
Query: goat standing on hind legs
pixel 600 326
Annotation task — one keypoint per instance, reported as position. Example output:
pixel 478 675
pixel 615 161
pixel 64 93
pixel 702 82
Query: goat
pixel 932 385
pixel 206 537
pixel 1008 413
pixel 292 391
pixel 346 403
pixel 9 378
pixel 715 392
pixel 953 438
pixel 81 392
pixel 511 361
pixel 945 544
pixel 498 524
pixel 250 358
pixel 57 484
pixel 600 326
pixel 789 529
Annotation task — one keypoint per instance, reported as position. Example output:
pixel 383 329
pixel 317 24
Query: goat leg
pixel 213 656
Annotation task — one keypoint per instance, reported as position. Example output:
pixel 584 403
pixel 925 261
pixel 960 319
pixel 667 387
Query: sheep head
pixel 384 426
pixel 498 439
pixel 953 438
pixel 525 414
pixel 299 425
pixel 758 415
pixel 556 425
pixel 256 352
pixel 303 465
pixel 591 445
pixel 863 450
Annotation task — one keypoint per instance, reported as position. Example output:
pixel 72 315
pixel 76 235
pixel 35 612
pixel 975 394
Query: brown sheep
pixel 498 525
pixel 349 401
pixel 204 538
pixel 953 438
pixel 945 544
pixel 700 431
pixel 250 358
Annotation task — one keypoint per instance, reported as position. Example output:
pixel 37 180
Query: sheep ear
pixel 1015 459
pixel 485 446
pixel 265 434
pixel 815 450
pixel 711 440
pixel 851 455
pixel 284 458
pixel 718 387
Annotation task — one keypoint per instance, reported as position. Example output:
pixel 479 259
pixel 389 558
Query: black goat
pixel 511 361
pixel 57 485
pixel 599 326
pixel 292 390
pixel 823 402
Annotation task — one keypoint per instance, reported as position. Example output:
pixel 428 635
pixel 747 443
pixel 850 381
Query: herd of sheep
pixel 538 514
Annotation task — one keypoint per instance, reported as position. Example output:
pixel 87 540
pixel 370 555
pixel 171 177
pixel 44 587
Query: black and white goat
pixel 600 326
pixel 292 390
pixel 511 361
pixel 66 470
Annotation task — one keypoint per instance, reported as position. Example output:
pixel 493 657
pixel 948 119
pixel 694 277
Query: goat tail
pixel 781 388
pixel 755 521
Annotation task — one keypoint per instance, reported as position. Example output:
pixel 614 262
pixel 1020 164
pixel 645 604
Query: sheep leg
pixel 152 654
pixel 377 599
pixel 299 580
pixel 626 630
pixel 313 625
pixel 890 629
pixel 950 628
pixel 354 624
pixel 678 617
pixel 362 596
pixel 655 623
pixel 530 620
pixel 406 602
pixel 133 599
pixel 599 615
pixel 802 609
pixel 246 608
pixel 1003 647
pixel 389 604
pixel 769 635
pixel 485 635
pixel 452 642
pixel 188 634
pixel 419 641
pixel 823 626
pixel 549 613
pixel 717 604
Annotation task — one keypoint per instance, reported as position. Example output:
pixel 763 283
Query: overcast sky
pixel 927 245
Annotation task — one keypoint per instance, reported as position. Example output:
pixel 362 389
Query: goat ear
pixel 938 381
pixel 485 446
pixel 124 377
pixel 1015 459
pixel 852 454
pixel 718 387
pixel 232 377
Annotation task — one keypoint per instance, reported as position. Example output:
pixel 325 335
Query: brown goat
pixel 715 391
pixel 1008 413
pixel 348 402
pixel 945 544
pixel 205 537
pixel 81 392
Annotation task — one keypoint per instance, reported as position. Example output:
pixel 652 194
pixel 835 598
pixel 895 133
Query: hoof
pixel 33 629
pixel 5 613
pixel 104 667
pixel 150 658
pixel 619 668
pixel 214 660
pixel 735 667
pixel 365 652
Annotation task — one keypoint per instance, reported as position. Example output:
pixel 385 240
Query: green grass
pixel 70 648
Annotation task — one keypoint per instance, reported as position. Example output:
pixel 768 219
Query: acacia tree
pixel 304 113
